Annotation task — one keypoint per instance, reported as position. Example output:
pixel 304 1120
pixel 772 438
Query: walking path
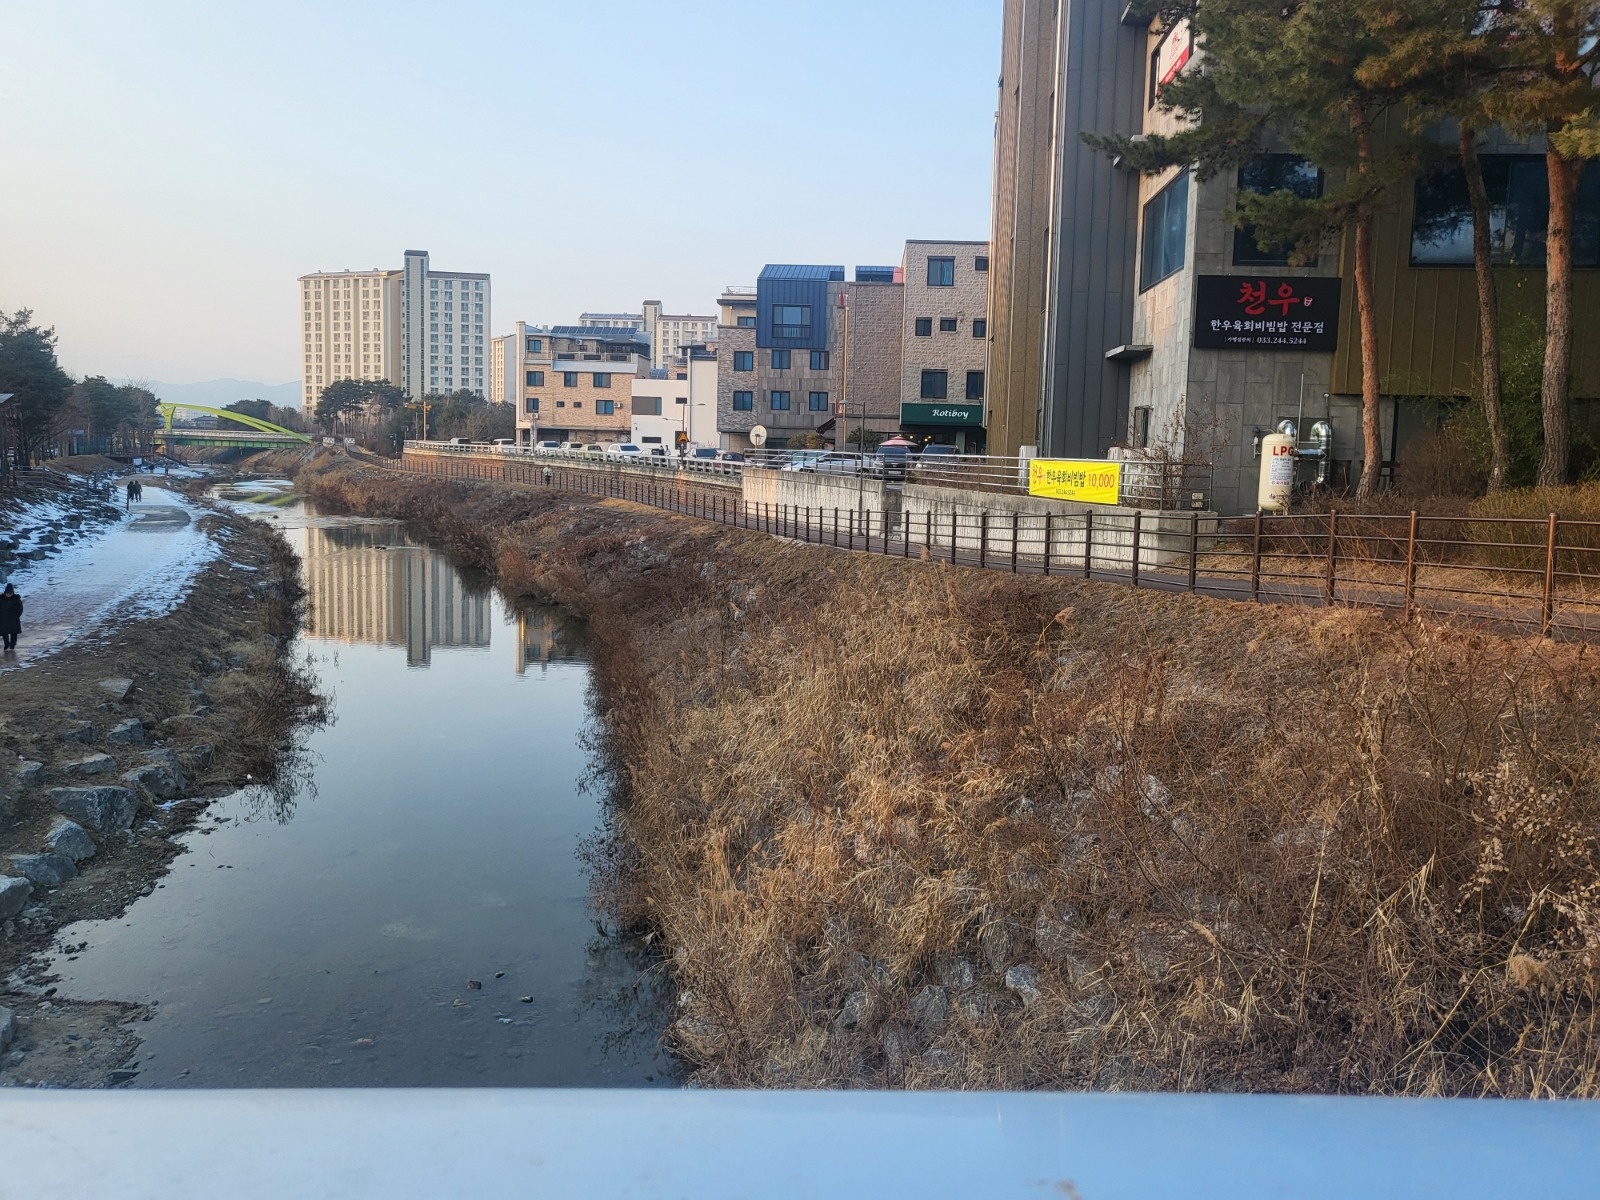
pixel 139 568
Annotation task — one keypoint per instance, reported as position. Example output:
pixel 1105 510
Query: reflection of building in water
pixel 366 584
pixel 544 636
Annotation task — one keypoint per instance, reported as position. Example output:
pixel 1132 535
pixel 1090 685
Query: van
pixel 507 443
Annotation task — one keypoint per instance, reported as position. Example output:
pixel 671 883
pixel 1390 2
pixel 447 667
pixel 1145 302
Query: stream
pixel 410 907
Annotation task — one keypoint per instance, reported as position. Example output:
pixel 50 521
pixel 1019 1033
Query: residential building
pixel 668 332
pixel 1194 339
pixel 737 306
pixel 350 329
pixel 418 328
pixel 577 382
pixel 506 381
pixel 896 349
pixel 678 405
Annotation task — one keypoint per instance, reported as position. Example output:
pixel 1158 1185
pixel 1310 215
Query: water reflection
pixel 546 635
pixel 368 583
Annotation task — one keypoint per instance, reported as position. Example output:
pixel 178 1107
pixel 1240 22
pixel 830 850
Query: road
pixel 140 567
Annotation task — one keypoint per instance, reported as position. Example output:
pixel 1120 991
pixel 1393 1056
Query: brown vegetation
pixel 907 825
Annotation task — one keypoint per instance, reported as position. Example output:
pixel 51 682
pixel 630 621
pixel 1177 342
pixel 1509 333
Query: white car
pixel 623 450
pixel 547 447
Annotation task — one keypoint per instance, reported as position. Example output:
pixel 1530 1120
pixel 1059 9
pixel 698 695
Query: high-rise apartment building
pixel 669 333
pixel 421 329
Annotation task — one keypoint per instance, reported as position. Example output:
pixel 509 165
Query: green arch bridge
pixel 260 435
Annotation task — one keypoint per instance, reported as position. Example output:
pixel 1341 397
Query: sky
pixel 173 167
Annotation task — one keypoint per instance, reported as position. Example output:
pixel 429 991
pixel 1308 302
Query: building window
pixel 819 402
pixel 1519 211
pixel 1273 173
pixel 561 403
pixel 647 406
pixel 935 385
pixel 780 401
pixel 780 360
pixel 947 324
pixel 743 401
pixel 791 320
pixel 941 272
pixel 745 322
pixel 981 263
pixel 533 404
pixel 980 327
pixel 577 404
pixel 744 360
pixel 819 360
pixel 535 378
pixel 569 379
pixel 1141 428
pixel 605 408
pixel 924 326
pixel 1166 229
pixel 602 379
pixel 974 385
pixel 535 346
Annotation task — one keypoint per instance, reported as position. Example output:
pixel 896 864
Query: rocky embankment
pixel 108 749
pixel 901 824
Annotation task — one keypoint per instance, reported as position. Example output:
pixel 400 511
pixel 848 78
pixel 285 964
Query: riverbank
pixel 127 731
pixel 900 824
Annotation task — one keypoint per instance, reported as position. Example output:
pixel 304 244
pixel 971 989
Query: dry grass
pixel 1242 849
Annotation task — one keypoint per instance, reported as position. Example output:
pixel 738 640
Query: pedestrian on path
pixel 10 617
pixel 128 504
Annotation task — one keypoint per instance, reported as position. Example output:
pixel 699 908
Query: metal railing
pixel 1538 574
pixel 1150 484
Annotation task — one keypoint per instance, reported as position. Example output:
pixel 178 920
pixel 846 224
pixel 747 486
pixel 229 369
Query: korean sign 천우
pixel 1090 481
pixel 1265 312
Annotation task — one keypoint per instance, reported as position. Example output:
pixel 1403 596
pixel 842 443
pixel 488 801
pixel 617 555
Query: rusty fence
pixel 1540 574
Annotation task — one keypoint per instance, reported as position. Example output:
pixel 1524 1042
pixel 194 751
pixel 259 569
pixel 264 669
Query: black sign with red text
pixel 1265 312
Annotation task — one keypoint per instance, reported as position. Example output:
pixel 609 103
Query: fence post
pixel 1411 563
pixel 1547 625
pixel 1016 527
pixel 1138 522
pixel 955 532
pixel 905 534
pixel 1333 551
pixel 983 539
pixel 1255 560
pixel 1047 517
pixel 1194 547
pixel 851 531
pixel 1088 543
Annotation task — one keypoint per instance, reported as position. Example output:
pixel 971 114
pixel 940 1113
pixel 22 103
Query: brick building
pixel 577 383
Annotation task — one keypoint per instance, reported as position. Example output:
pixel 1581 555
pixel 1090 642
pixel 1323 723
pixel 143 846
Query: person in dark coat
pixel 10 616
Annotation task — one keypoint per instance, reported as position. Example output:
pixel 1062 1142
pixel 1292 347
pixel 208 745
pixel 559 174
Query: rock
pixel 995 942
pixel 956 973
pixel 105 809
pixel 14 893
pixel 70 838
pixel 29 772
pixel 129 732
pixel 169 759
pixel 976 1004
pixel 43 870
pixel 1056 929
pixel 930 1008
pixel 8 1027
pixel 116 687
pixel 857 1011
pixel 198 757
pixel 898 1047
pixel 92 764
pixel 939 1059
pixel 154 780
pixel 1024 981
pixel 77 731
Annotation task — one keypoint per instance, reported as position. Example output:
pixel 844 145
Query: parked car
pixel 833 462
pixel 571 448
pixel 624 450
pixel 547 447
pixel 460 441
pixel 657 455
pixel 803 460
pixel 592 450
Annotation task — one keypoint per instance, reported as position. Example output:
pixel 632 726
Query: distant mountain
pixel 219 393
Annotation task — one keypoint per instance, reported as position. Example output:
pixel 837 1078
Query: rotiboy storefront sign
pixel 942 414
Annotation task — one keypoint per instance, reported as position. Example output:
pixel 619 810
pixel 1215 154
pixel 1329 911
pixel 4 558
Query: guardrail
pixel 1540 574
pixel 1150 484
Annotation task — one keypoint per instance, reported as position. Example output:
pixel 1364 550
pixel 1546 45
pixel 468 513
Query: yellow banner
pixel 1091 481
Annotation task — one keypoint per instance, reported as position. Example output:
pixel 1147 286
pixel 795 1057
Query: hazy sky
pixel 173 166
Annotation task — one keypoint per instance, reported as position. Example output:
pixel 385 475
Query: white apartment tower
pixel 350 329
pixel 418 328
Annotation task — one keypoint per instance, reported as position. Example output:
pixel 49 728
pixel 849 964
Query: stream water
pixel 330 932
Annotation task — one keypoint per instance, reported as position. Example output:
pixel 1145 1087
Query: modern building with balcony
pixel 577 382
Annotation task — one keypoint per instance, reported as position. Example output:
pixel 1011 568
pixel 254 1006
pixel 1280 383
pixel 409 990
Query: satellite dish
pixel 758 436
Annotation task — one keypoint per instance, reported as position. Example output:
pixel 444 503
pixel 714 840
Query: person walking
pixel 10 617
pixel 132 486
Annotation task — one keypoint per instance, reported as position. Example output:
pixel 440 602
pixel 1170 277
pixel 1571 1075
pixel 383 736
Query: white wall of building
pixel 688 406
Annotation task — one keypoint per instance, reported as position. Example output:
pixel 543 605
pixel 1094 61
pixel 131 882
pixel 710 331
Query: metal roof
pixel 603 333
pixel 801 271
